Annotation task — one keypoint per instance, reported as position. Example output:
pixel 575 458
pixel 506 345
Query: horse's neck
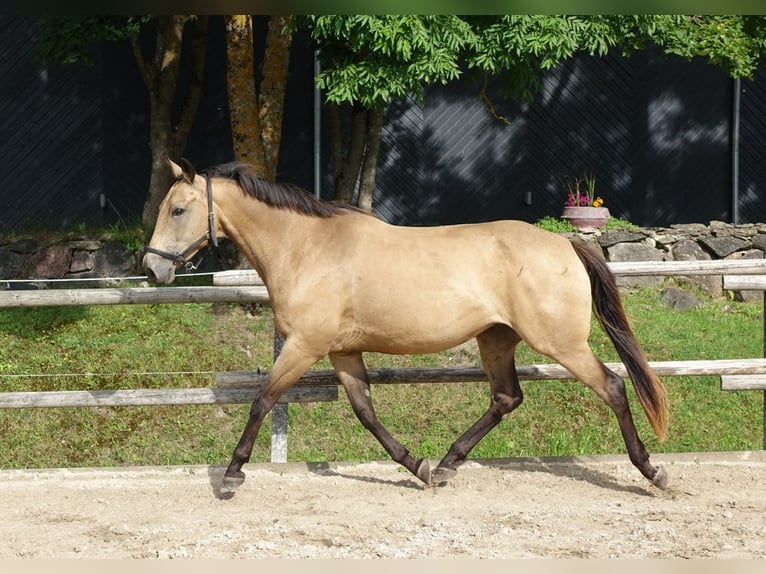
pixel 269 237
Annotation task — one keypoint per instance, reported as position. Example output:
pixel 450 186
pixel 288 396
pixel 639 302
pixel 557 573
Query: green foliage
pixel 132 236
pixel 376 59
pixel 617 223
pixel 373 60
pixel 71 39
pixel 526 45
pixel 557 225
pixel 735 43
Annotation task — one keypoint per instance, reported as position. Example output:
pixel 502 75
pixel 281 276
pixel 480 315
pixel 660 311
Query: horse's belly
pixel 404 329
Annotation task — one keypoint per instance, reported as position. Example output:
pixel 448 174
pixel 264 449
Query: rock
pixel 24 246
pixel 616 236
pixel 759 241
pixel 678 299
pixel 81 261
pixel 635 252
pixel 692 228
pixel 747 295
pixel 665 239
pixel 688 250
pixel 723 246
pixel 11 264
pixel 114 259
pixel 50 263
pixel 86 245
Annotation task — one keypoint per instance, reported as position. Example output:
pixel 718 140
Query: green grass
pixel 557 225
pixel 110 347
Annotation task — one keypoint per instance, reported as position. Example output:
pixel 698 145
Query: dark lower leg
pixel 500 406
pixel 637 453
pixel 244 447
pixel 353 376
pixel 361 403
pixel 497 346
pixel 290 364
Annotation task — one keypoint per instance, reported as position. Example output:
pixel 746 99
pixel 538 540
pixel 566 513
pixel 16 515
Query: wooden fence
pixel 321 385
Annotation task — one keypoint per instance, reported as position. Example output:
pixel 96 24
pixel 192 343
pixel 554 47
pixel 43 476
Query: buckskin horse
pixel 342 282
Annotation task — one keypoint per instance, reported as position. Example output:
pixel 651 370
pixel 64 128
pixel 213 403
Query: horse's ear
pixel 183 169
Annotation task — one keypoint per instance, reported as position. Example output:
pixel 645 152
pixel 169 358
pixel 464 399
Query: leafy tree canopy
pixel 373 60
pixel 72 39
pixel 376 59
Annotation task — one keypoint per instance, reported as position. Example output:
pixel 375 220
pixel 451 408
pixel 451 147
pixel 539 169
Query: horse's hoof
pixel 660 479
pixel 231 483
pixel 442 475
pixel 423 471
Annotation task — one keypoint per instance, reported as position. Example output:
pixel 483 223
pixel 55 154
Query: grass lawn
pixel 159 346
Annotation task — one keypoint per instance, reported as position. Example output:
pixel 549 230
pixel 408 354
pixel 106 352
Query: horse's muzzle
pixel 159 270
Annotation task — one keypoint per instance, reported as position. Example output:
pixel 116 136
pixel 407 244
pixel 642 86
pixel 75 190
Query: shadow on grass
pixel 35 323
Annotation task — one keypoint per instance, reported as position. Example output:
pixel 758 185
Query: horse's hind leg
pixel 611 388
pixel 497 346
pixel 353 375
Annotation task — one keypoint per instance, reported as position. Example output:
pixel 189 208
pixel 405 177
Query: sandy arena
pixel 583 507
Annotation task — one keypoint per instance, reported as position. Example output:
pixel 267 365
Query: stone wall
pixel 684 242
pixel 80 257
pixel 66 258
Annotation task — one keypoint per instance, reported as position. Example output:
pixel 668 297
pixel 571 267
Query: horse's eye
pixel 177 211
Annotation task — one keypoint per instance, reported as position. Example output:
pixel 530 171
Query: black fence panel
pixel 50 134
pixel 752 150
pixel 653 132
pixel 656 133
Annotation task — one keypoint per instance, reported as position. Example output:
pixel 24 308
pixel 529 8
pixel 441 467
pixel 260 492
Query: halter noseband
pixel 183 256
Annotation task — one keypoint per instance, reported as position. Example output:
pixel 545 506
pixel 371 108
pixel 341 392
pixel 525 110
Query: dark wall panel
pixel 656 134
pixel 752 175
pixel 50 135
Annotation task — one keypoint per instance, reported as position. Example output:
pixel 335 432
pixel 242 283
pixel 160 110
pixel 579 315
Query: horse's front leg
pixel 289 366
pixel 353 375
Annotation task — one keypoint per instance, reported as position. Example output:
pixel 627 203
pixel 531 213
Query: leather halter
pixel 183 257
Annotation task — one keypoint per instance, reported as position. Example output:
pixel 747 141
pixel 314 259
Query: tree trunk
pixel 348 168
pixel 272 93
pixel 243 98
pixel 168 135
pixel 370 164
pixel 194 88
pixel 256 114
pixel 358 165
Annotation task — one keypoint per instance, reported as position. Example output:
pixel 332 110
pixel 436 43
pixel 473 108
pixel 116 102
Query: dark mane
pixel 279 195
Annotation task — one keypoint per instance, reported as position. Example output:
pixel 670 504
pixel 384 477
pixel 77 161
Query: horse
pixel 343 282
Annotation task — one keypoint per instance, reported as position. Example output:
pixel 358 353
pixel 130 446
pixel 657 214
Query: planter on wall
pixel 586 218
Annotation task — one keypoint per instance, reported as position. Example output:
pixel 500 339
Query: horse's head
pixel 184 224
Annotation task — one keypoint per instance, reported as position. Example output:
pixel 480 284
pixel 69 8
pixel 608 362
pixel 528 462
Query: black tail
pixel 608 305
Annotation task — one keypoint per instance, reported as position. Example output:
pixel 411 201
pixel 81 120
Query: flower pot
pixel 586 218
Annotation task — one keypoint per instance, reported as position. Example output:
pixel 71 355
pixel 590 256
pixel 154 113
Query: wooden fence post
pixel 278 416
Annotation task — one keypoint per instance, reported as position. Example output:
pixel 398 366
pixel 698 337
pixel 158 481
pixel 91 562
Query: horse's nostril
pixel 150 275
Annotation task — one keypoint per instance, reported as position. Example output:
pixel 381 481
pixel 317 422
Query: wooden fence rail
pixel 243 386
pixel 234 387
